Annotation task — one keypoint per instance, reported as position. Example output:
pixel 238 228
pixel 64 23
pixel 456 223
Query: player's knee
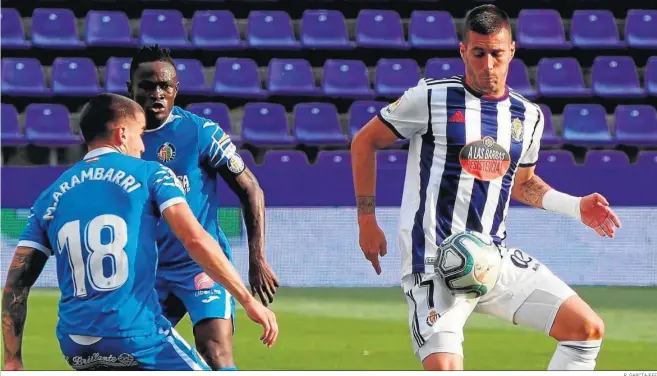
pixel 214 345
pixel 593 328
pixel 443 362
pixel 576 321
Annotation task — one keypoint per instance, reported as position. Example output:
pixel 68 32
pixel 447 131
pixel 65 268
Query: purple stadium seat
pixel 191 77
pixel 49 125
pixel 265 124
pixel 215 29
pixel 271 30
pixel 74 76
pixel 541 28
pixel 318 124
pixel 217 112
pixel 237 77
pixel 518 79
pixel 394 76
pixel 12 135
pixel 117 73
pixel 164 27
pixel 391 159
pixel 556 166
pixel 647 161
pixel 380 29
pixel 361 112
pixel 290 77
pixel 346 79
pixel 432 29
pixel 555 160
pixel 334 161
pixel 561 77
pixel 324 29
pixel 286 159
pixel 108 28
pixel 601 159
pixel 636 124
pixel 11 29
pixel 549 137
pixel 440 68
pixel 55 28
pixel 586 125
pixel 640 26
pixel 616 77
pixel 594 29
pixel 650 78
pixel 23 76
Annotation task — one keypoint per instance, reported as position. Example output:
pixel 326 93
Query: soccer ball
pixel 468 263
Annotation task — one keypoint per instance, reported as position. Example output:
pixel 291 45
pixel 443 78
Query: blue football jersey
pixel 194 148
pixel 100 219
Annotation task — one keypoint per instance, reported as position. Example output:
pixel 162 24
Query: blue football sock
pixel 228 369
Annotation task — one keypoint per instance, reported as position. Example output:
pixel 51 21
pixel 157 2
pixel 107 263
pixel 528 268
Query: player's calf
pixel 214 341
pixel 443 362
pixel 579 331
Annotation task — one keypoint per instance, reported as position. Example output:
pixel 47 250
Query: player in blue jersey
pixel 199 152
pixel 99 220
pixel 474 143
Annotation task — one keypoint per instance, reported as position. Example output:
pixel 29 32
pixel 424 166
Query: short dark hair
pixel 486 20
pixel 150 54
pixel 103 110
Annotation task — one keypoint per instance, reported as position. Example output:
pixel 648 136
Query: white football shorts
pixel 527 293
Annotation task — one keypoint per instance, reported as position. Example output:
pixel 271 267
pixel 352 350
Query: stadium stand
pixel 302 79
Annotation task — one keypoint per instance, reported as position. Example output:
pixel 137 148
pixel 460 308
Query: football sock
pixel 233 368
pixel 575 356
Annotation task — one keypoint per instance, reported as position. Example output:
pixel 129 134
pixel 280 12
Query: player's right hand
pixel 372 240
pixel 266 318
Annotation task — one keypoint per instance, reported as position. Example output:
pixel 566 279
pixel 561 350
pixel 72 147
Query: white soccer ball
pixel 468 263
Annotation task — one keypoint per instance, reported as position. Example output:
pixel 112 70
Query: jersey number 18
pixel 69 238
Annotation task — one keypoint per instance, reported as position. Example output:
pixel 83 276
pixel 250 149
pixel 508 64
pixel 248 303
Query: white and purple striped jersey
pixel 464 152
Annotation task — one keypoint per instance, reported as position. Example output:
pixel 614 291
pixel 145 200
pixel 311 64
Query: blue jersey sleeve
pixel 217 149
pixel 34 235
pixel 166 190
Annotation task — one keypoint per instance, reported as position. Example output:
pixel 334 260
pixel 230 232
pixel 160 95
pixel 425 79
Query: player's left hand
pixel 597 214
pixel 263 281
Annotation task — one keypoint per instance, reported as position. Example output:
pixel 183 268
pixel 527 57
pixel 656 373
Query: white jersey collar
pixel 100 151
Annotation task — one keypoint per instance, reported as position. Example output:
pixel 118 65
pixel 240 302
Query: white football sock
pixel 575 356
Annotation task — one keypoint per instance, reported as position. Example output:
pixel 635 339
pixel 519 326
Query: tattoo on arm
pixel 252 199
pixel 531 192
pixel 366 204
pixel 25 268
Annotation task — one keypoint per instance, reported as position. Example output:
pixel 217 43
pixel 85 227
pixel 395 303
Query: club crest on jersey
pixel 517 130
pixel 432 317
pixel 166 152
pixel 485 159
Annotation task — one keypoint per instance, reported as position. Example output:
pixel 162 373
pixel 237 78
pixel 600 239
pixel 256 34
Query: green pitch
pixel 366 329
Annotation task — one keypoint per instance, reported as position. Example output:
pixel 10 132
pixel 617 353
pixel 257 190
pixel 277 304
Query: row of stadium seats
pixel 319 124
pixel 536 28
pixel 611 77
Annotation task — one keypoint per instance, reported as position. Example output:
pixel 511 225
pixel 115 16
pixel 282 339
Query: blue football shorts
pixel 163 351
pixel 188 289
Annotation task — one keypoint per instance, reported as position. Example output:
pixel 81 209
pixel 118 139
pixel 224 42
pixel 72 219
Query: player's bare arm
pixel 374 135
pixel 593 210
pixel 25 268
pixel 262 279
pixel 208 253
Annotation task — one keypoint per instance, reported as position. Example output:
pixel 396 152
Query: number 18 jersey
pixel 99 219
